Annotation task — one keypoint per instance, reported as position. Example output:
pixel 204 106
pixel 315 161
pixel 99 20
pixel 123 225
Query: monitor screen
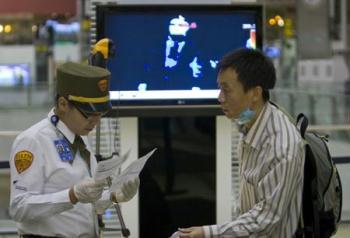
pixel 14 75
pixel 167 55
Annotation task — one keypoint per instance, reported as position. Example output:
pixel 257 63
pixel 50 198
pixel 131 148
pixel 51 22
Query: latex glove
pixel 87 191
pixel 103 203
pixel 127 191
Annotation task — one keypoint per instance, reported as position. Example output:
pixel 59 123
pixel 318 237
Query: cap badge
pixel 102 85
pixel 23 160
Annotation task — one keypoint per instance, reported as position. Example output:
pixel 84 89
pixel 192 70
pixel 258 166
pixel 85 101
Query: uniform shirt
pixel 271 168
pixel 39 201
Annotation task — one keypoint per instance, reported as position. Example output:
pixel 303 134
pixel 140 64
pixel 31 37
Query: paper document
pixel 131 172
pixel 108 168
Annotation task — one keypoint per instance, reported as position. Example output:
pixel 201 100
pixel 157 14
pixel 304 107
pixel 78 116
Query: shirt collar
pixel 66 132
pixel 253 135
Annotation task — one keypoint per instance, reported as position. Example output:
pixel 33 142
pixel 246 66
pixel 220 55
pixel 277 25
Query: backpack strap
pixel 310 165
pixel 302 124
pixel 300 232
pixel 284 111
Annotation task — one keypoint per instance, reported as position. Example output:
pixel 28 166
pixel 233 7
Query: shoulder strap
pixel 284 111
pixel 302 124
pixel 302 121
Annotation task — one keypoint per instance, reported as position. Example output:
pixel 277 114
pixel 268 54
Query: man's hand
pixel 191 232
pixel 127 192
pixel 87 191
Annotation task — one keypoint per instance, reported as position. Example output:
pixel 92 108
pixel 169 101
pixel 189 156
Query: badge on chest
pixel 64 150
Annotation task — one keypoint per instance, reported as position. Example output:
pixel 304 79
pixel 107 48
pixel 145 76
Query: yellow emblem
pixel 102 85
pixel 23 160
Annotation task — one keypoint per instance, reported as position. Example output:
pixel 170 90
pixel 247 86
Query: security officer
pixel 52 192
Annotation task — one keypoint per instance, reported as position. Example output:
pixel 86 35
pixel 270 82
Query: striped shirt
pixel 271 168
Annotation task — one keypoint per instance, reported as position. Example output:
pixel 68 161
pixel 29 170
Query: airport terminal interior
pixel 164 92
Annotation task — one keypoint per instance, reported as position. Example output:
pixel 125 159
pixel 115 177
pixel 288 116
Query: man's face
pixel 232 97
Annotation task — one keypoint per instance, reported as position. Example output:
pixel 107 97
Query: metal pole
pixel 125 231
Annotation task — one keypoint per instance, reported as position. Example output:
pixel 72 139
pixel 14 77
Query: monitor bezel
pixel 158 107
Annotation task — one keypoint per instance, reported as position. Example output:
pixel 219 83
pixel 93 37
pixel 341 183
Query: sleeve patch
pixel 23 160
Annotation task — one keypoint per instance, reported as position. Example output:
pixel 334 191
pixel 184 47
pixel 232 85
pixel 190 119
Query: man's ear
pixel 256 94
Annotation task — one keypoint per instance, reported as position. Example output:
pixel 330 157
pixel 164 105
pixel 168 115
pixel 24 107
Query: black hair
pixel 253 69
pixel 56 100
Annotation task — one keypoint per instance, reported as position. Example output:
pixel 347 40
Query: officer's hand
pixel 127 192
pixel 87 191
pixel 101 205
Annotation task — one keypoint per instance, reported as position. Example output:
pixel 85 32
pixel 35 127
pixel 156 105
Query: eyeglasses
pixel 88 114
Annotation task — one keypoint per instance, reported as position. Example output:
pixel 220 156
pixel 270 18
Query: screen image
pixel 14 75
pixel 168 55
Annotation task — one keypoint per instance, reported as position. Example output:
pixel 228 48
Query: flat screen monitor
pixel 12 75
pixel 167 55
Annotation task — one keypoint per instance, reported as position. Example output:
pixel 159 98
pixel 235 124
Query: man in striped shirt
pixel 271 153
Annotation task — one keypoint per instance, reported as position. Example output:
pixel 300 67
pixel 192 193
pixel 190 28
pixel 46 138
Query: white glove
pixel 88 190
pixel 103 203
pixel 127 191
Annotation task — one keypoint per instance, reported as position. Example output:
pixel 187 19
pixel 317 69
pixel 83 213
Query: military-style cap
pixel 85 85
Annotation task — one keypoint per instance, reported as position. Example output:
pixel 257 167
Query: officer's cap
pixel 85 85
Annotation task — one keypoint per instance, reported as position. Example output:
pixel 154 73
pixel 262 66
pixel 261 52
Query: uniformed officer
pixel 52 192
